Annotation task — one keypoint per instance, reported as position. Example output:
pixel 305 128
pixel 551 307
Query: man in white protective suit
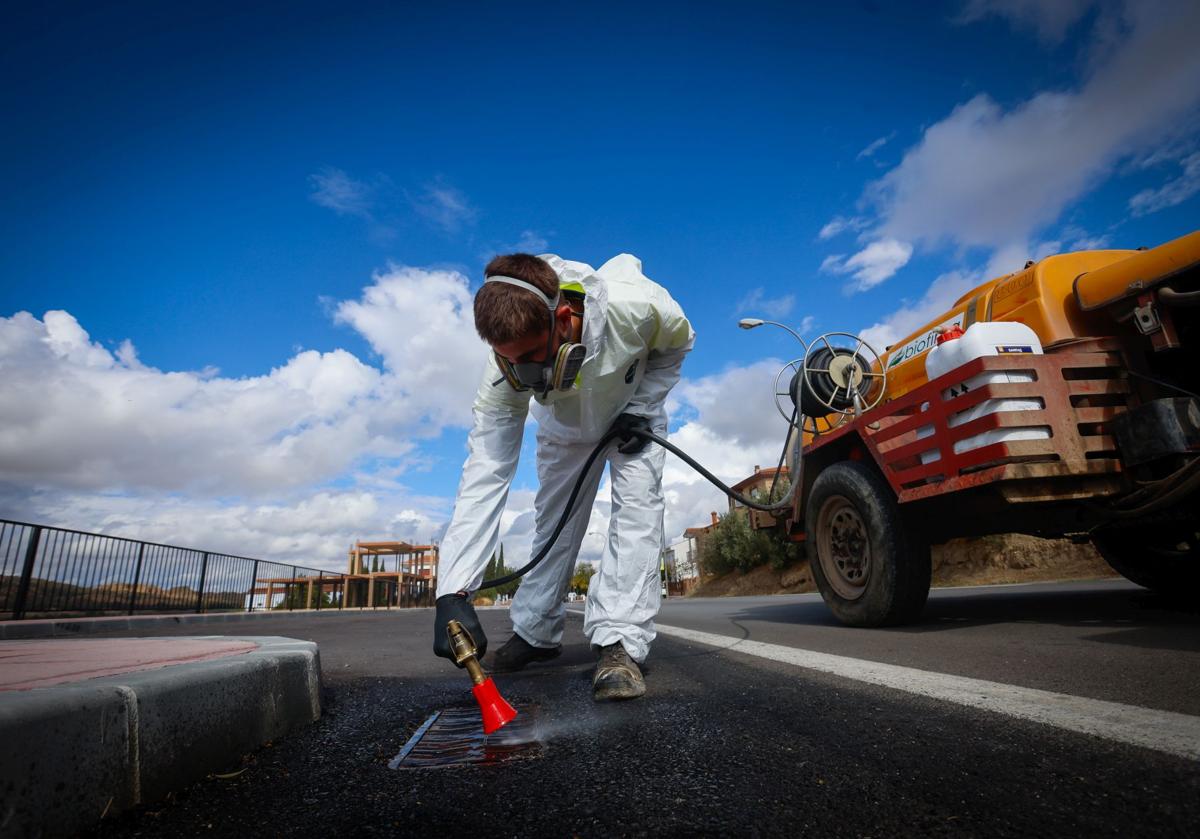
pixel 596 350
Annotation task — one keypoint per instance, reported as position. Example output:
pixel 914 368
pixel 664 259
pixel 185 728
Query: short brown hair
pixel 506 313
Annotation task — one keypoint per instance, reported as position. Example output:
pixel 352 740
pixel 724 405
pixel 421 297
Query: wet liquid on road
pixel 454 737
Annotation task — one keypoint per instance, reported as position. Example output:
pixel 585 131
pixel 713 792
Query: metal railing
pixel 55 571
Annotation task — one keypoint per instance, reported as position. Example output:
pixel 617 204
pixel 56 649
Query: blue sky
pixel 209 193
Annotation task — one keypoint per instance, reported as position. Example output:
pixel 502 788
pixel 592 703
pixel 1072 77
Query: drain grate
pixel 454 737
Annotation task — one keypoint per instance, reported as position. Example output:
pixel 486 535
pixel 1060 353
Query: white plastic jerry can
pixel 991 338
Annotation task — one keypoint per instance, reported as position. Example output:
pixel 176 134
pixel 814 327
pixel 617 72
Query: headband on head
pixel 551 303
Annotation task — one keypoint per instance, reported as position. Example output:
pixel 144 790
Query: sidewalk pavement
pixel 74 627
pixel 93 726
pixel 39 664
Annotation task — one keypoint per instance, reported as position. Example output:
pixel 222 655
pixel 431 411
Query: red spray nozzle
pixel 496 712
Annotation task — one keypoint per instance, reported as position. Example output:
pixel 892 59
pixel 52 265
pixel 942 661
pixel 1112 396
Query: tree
pixel 497 568
pixel 582 578
pixel 733 545
pixel 508 589
pixel 297 598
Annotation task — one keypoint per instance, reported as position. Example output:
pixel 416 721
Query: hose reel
pixel 839 376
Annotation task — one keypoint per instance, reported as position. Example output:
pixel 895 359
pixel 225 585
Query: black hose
pixel 562 521
pixel 1162 383
pixel 583 473
pixel 1175 487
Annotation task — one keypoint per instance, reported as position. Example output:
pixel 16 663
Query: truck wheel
pixel 1162 559
pixel 870 570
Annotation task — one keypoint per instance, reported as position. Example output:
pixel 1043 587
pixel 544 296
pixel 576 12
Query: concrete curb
pixel 74 753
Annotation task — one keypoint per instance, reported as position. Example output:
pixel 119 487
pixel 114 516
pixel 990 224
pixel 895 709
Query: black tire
pixel 1162 558
pixel 869 568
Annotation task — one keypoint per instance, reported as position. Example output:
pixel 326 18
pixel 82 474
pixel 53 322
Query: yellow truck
pixel 1112 453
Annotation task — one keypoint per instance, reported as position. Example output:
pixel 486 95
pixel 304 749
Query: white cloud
pixel 292 463
pixel 438 203
pixel 334 189
pixel 939 297
pixel 840 224
pixel 1074 238
pixel 732 427
pixel 757 303
pixel 872 265
pixel 833 262
pixel 736 404
pixel 871 148
pixel 74 416
pixel 1090 243
pixel 1049 19
pixel 1175 191
pixel 445 206
pixel 528 242
pixel 1170 153
pixel 297 463
pixel 313 529
pixel 421 323
pixel 1006 259
pixel 988 176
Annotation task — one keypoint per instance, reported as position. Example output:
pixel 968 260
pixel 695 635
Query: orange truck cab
pixel 1115 460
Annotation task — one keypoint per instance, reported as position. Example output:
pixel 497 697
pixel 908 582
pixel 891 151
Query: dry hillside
pixel 1011 558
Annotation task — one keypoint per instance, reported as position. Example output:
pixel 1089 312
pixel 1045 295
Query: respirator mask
pixel 559 369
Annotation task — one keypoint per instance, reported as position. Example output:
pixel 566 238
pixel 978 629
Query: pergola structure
pixel 410 581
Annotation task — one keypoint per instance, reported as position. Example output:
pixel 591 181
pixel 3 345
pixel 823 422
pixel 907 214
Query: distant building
pixel 413 560
pixel 681 560
pixel 757 488
pixel 699 534
pixel 390 574
pixel 681 563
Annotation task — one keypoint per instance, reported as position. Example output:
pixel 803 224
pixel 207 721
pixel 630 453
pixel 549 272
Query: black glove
pixel 456 607
pixel 624 426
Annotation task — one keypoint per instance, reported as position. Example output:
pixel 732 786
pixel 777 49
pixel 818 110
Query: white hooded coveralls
pixel 636 336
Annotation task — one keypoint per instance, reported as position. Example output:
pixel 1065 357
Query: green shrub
pixel 733 545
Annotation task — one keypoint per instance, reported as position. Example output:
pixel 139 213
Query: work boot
pixel 617 675
pixel 517 652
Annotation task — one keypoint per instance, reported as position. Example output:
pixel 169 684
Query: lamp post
pixel 754 323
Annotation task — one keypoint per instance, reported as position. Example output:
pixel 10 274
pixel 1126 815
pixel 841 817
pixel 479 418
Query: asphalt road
pixel 1105 640
pixel 727 743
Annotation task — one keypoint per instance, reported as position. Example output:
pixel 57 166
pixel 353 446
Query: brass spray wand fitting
pixel 466 654
pixel 495 712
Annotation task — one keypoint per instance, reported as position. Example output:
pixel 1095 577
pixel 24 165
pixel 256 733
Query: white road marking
pixel 1163 731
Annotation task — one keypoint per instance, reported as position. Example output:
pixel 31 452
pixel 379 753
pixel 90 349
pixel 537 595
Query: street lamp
pixel 752 323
